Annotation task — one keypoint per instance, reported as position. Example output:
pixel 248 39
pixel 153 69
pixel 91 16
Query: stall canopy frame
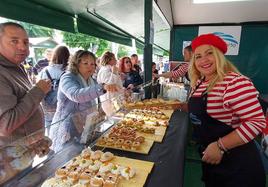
pixel 73 16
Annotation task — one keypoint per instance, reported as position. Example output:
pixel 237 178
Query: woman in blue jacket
pixel 78 92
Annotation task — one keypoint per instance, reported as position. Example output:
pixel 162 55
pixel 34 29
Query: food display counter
pixel 162 164
pixel 172 90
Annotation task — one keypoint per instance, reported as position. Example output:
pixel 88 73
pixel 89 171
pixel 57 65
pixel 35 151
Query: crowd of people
pixel 64 85
pixel 223 105
pixel 79 92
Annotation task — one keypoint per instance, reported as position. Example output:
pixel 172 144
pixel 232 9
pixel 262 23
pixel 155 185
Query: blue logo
pixel 195 120
pixel 227 37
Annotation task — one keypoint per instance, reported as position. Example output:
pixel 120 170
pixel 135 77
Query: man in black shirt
pixel 135 63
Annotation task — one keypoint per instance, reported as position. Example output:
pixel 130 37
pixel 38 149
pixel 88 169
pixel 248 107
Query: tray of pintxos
pixel 97 168
pixel 125 138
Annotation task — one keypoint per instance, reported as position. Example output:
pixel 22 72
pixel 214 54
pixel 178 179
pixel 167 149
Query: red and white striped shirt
pixel 234 102
pixel 181 71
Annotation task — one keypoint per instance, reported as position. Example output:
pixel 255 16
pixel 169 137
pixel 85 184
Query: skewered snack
pixel 106 167
pixel 102 140
pixel 96 181
pixel 96 155
pixel 61 173
pixel 111 180
pixel 140 139
pixel 85 177
pixel 107 156
pixel 119 143
pixel 127 144
pixel 128 172
pixel 72 177
pixel 135 145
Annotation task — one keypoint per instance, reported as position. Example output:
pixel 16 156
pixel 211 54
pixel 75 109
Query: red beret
pixel 209 39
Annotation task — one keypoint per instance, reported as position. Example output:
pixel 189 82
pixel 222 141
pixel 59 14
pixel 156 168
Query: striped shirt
pixel 181 71
pixel 234 102
pixel 265 131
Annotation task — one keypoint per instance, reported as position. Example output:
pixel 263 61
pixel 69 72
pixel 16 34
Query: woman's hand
pixel 155 75
pixel 130 86
pixel 212 154
pixel 115 70
pixel 110 87
pixel 122 76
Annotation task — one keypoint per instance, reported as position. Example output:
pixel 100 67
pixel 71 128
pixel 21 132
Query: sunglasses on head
pixel 80 53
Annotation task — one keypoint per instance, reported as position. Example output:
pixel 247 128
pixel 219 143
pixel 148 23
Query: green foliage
pixel 103 46
pixel 165 53
pixel 86 42
pixel 139 51
pixel 36 30
pixel 122 51
pixel 39 53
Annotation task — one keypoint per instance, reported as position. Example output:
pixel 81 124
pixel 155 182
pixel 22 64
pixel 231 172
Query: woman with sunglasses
pixel 78 92
pixel 131 78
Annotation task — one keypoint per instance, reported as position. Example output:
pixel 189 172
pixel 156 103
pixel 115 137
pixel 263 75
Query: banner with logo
pixel 230 34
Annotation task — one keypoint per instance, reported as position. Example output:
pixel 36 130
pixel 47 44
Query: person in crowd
pixel 154 70
pixel 28 66
pixel 97 69
pixel 78 92
pixel 135 63
pixel 109 74
pixel 43 62
pixel 131 78
pixel 181 70
pixel 54 71
pixel 263 148
pixel 227 116
pixel 20 110
pixel 155 85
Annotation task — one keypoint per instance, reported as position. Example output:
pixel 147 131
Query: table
pixel 168 157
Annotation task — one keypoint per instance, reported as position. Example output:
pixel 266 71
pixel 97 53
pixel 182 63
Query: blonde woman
pixel 226 115
pixel 109 74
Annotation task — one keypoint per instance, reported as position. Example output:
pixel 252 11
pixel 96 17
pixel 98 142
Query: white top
pixel 106 76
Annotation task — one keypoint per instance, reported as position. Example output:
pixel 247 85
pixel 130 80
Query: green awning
pixel 97 29
pixel 35 13
pixel 127 17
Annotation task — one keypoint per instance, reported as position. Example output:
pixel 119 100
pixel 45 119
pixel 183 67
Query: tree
pixel 122 51
pixel 93 44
